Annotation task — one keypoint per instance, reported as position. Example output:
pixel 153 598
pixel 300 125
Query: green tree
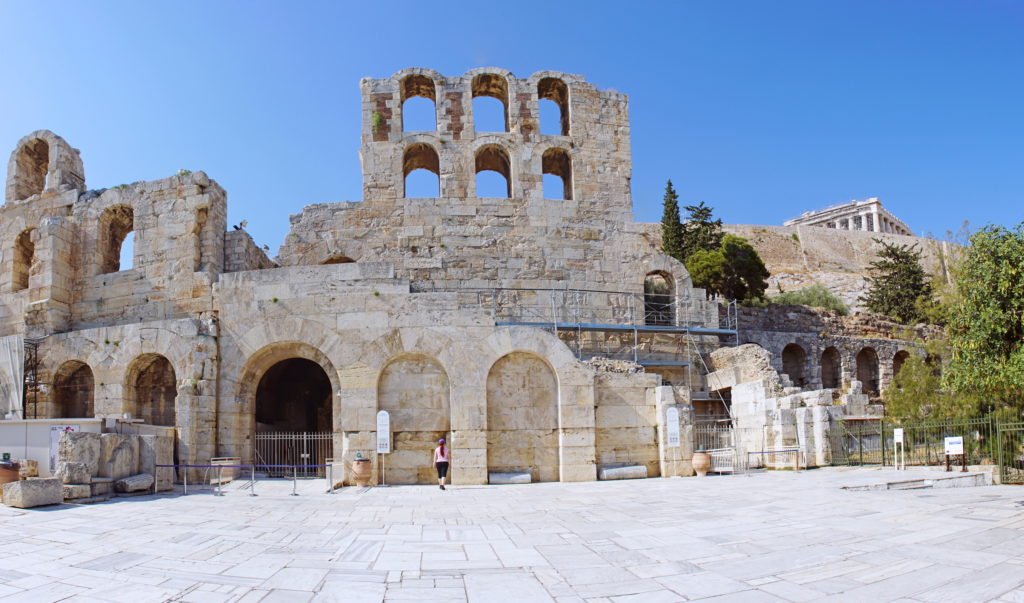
pixel 671 227
pixel 733 271
pixel 898 286
pixel 700 231
pixel 986 324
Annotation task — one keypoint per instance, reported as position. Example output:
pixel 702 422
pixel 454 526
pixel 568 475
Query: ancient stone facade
pixel 867 215
pixel 392 303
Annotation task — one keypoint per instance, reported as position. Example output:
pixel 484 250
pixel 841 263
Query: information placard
pixel 672 426
pixel 897 435
pixel 955 445
pixel 383 432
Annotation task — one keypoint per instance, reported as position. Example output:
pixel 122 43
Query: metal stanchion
pixel 186 479
pixel 220 473
pixel 330 479
pixel 295 478
pixel 252 482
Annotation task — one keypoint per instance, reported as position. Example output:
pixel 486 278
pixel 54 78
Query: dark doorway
pixel 154 390
pixel 294 395
pixel 73 391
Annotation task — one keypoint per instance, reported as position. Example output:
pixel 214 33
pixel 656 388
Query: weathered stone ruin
pixel 464 317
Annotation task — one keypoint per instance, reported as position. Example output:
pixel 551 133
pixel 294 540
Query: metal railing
pixel 307 451
pixel 871 441
pixel 215 475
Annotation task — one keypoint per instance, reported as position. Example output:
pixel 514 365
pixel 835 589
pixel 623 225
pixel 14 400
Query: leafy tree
pixel 898 286
pixel 671 227
pixel 816 296
pixel 986 325
pixel 733 271
pixel 700 232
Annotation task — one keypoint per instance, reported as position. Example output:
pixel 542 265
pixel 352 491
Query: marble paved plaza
pixel 769 536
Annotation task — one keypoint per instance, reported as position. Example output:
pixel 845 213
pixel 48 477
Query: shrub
pixel 816 296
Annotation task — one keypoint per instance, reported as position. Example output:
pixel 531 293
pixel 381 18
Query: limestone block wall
pixel 627 421
pixel 242 253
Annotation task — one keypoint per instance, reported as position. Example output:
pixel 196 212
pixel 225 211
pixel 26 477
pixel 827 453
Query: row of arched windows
pixel 150 390
pixel 421 172
pixel 490 104
pixel 794 363
pixel 116 246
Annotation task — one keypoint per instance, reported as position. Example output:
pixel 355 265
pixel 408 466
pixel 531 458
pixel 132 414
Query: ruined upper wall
pixel 591 155
pixel 43 162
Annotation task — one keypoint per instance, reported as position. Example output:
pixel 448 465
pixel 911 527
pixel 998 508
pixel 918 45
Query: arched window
pixel 152 390
pixel 419 104
pixel 898 360
pixel 658 299
pixel 553 98
pixel 73 387
pixel 831 368
pixel 24 257
pixel 793 360
pixel 116 223
pixel 493 172
pixel 556 166
pixel 490 103
pixel 867 370
pixel 33 162
pixel 422 159
pixel 338 259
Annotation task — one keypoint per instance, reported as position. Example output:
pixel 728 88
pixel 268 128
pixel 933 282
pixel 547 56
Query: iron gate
pixel 1010 443
pixel 299 453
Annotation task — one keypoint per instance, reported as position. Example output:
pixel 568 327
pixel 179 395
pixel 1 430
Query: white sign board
pixel 55 432
pixel 672 424
pixel 897 435
pixel 955 445
pixel 383 432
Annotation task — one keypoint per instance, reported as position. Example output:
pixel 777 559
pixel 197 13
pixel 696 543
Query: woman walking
pixel 441 462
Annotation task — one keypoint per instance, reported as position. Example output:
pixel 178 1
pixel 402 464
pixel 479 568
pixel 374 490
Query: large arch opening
pixel 794 359
pixel 294 395
pixel 831 368
pixel 658 299
pixel 867 370
pixel 553 98
pixel 414 389
pixel 24 257
pixel 419 104
pixel 421 171
pixel 556 166
pixel 152 390
pixel 493 172
pixel 32 164
pixel 73 391
pixel 490 103
pixel 522 417
pixel 116 223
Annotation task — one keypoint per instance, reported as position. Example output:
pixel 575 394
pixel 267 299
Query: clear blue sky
pixel 761 109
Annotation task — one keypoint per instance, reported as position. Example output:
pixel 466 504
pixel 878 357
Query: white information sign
pixel 383 432
pixel 955 445
pixel 672 423
pixel 897 435
pixel 55 432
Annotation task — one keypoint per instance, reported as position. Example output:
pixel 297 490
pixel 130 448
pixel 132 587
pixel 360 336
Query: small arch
pixel 522 417
pixel 74 391
pixel 33 163
pixel 554 91
pixel 421 156
pixel 338 259
pixel 487 116
pixel 151 390
pixel 24 258
pixel 493 158
pixel 419 103
pixel 658 299
pixel 794 359
pixel 898 360
pixel 831 368
pixel 556 162
pixel 116 223
pixel 867 370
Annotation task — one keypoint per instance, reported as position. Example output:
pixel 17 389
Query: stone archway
pixel 294 395
pixel 415 390
pixel 794 359
pixel 74 391
pixel 151 390
pixel 831 368
pixel 522 417
pixel 867 370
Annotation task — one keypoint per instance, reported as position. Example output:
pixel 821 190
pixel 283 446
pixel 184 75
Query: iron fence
pixel 872 441
pixel 304 453
pixel 1010 449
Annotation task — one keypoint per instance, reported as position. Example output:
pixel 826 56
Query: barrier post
pixel 252 482
pixel 330 479
pixel 220 474
pixel 295 478
pixel 186 479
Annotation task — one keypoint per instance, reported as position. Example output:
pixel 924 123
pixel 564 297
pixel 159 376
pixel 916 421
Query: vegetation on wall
pixel 815 296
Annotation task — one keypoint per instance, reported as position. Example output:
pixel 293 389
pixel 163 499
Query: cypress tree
pixel 671 226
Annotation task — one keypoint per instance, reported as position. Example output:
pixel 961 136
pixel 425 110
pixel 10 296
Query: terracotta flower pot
pixel 701 463
pixel 361 471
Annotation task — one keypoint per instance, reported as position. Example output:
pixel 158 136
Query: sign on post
pixel 672 425
pixel 955 445
pixel 897 435
pixel 899 453
pixel 383 432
